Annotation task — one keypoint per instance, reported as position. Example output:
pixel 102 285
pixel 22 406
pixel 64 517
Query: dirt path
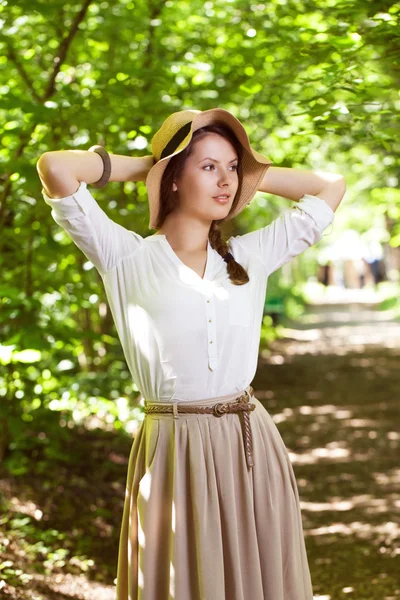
pixel 332 386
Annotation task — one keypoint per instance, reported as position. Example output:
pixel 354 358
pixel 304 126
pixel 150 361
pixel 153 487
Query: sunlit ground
pixel 341 320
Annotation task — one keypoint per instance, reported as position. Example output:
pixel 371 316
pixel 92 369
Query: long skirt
pixel 199 523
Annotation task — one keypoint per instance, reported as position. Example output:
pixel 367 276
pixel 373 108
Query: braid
pixel 237 274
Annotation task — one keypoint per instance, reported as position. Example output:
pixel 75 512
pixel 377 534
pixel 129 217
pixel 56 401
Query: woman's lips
pixel 221 200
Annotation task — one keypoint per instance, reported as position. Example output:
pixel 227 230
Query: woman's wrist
pixel 130 168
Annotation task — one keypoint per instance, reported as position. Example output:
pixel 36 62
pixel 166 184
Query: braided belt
pixel 240 404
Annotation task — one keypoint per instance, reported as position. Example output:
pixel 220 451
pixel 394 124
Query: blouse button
pixel 209 320
pixel 211 342
pixel 208 301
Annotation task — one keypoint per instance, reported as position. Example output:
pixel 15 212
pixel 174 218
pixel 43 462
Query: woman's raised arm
pixel 61 171
pixel 65 175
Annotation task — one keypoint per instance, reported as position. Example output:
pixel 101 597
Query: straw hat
pixel 175 134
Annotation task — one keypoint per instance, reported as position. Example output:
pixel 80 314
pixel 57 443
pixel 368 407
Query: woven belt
pixel 240 404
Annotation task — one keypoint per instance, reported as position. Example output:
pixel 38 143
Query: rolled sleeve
pixel 103 241
pixel 74 206
pixel 318 209
pixel 295 230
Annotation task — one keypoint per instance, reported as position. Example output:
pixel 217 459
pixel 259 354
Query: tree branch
pixel 11 55
pixel 25 136
pixel 63 49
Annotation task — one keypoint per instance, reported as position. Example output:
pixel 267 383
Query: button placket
pixel 211 333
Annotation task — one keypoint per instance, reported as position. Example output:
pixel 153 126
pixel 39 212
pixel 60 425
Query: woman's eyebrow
pixel 215 160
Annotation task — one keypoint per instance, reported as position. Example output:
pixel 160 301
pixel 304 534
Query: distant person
pixel 374 258
pixel 360 268
pixel 326 272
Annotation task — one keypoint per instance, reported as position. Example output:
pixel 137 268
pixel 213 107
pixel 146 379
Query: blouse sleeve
pixel 290 234
pixel 103 241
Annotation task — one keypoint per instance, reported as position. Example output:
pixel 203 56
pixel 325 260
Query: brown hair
pixel 168 200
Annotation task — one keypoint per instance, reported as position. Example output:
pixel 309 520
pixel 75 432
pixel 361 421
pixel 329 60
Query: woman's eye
pixel 234 166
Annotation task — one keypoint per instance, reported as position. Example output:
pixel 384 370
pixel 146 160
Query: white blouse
pixel 185 337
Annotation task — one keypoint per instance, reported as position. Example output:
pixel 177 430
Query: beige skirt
pixel 199 523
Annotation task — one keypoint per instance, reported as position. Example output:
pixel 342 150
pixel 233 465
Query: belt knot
pixel 220 409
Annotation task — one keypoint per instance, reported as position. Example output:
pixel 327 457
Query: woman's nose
pixel 224 176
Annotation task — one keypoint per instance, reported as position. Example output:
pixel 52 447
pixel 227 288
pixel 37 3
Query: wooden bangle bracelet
pixel 106 165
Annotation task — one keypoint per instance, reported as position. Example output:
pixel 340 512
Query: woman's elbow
pixel 47 165
pixel 57 181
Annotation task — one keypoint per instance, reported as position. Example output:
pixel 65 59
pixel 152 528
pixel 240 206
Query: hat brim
pixel 254 164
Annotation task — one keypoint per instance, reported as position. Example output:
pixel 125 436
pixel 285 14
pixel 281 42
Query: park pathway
pixel 332 386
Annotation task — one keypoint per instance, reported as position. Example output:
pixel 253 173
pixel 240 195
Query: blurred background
pixel 316 85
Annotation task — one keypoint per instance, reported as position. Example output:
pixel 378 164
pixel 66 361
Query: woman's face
pixel 211 170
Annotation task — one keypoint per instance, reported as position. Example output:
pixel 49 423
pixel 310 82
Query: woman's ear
pixel 174 187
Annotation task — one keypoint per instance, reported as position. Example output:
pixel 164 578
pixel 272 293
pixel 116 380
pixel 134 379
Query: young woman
pixel 212 509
